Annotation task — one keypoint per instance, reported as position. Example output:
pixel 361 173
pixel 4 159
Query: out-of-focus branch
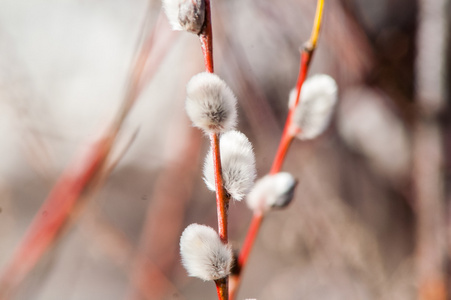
pixel 54 214
pixel 428 153
pixel 168 203
pixel 65 198
pixel 430 208
pixel 113 242
pixel 236 65
pixel 222 201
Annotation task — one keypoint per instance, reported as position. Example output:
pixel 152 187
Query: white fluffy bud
pixel 186 15
pixel 203 254
pixel 238 165
pixel 210 103
pixel 272 191
pixel 316 106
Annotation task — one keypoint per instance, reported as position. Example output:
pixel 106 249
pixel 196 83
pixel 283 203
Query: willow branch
pixel 287 137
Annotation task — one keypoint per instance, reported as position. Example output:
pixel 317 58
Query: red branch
pixel 235 281
pixel 65 198
pixel 222 201
pixel 250 238
pixel 287 137
pixel 52 217
pixel 288 134
pixel 206 39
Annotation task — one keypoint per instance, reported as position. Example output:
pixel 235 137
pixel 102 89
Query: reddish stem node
pixel 221 288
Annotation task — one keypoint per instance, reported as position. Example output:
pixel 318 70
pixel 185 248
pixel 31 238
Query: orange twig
pixel 250 238
pixel 288 134
pixel 284 144
pixel 167 205
pixel 306 57
pixel 245 251
pixel 222 202
pixel 206 39
pixel 287 137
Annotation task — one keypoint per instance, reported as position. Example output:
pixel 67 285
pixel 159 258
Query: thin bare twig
pixel 168 203
pixel 64 199
pixel 287 137
pixel 222 201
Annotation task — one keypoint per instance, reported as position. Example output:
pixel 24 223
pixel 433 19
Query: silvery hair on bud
pixel 271 191
pixel 186 15
pixel 203 254
pixel 316 106
pixel 210 103
pixel 238 165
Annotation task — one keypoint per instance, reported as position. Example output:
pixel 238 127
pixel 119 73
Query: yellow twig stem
pixel 317 23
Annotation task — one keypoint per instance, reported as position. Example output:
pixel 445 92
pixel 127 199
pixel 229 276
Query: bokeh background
pixel 352 230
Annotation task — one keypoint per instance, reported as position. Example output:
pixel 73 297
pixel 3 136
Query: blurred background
pixel 360 225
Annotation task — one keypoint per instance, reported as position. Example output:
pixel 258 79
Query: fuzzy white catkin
pixel 316 106
pixel 186 15
pixel 271 191
pixel 238 165
pixel 210 103
pixel 203 254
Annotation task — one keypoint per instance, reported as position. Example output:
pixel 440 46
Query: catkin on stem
pixel 314 111
pixel 210 103
pixel 188 15
pixel 271 191
pixel 238 165
pixel 203 254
